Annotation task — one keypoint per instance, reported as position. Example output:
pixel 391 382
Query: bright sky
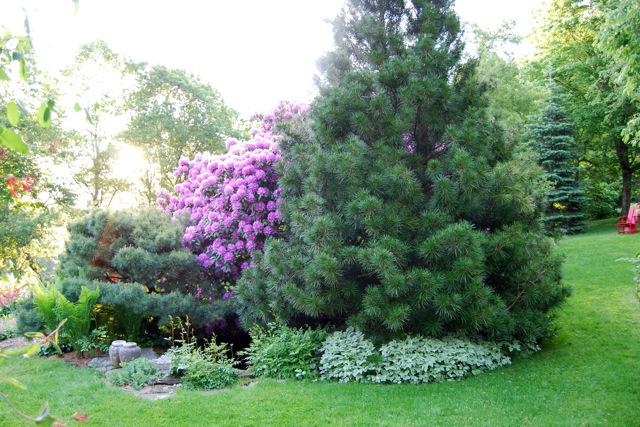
pixel 255 52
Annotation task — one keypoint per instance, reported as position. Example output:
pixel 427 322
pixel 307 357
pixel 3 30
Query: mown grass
pixel 589 374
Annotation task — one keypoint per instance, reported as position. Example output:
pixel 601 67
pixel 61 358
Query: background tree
pixel 512 95
pixel 598 104
pixel 552 139
pixel 405 210
pixel 175 115
pixel 96 77
pixel 619 39
pixel 96 175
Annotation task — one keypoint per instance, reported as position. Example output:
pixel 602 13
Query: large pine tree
pixel 552 138
pixel 405 211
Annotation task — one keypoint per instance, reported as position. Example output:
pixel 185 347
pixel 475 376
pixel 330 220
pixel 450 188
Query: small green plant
pixel 54 307
pixel 282 352
pixel 8 333
pixel 96 342
pixel 204 374
pixel 137 374
pixel 201 368
pixel 349 357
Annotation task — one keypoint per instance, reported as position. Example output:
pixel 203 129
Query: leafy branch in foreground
pixel 14 49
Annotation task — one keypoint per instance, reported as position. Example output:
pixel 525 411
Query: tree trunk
pixel 622 151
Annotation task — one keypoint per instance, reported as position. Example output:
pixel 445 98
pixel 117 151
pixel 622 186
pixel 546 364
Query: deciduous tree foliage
pixel 95 176
pixel 405 210
pixel 599 105
pixel 620 40
pixel 175 115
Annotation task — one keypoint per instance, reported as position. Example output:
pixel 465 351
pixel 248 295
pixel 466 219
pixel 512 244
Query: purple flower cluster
pixel 232 199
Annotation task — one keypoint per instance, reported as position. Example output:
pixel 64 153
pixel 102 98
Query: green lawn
pixel 588 375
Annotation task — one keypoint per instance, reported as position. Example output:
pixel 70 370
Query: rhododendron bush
pixel 232 199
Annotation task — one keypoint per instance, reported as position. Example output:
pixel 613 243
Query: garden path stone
pixel 100 363
pixel 155 392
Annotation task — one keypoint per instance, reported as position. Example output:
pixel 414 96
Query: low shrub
pixel 203 374
pixel 422 360
pixel 137 258
pixel 349 357
pixel 27 317
pixel 602 199
pixel 282 352
pixel 9 294
pixel 137 373
pixel 203 368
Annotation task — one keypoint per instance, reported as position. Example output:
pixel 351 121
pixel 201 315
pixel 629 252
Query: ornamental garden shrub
pixel 203 368
pixel 405 211
pixel 281 352
pixel 347 356
pixel 144 273
pixel 231 200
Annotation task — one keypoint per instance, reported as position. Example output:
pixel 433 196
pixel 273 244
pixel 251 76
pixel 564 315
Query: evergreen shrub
pixel 402 203
pixel 137 259
pixel 552 138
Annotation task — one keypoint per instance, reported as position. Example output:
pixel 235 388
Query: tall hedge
pixel 405 210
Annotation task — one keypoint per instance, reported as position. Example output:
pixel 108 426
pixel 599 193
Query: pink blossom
pixel 232 198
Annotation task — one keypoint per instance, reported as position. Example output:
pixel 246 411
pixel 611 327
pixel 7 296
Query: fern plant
pixel 54 307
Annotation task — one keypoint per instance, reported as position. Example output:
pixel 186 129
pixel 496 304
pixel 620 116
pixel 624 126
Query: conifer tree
pixel 552 138
pixel 404 210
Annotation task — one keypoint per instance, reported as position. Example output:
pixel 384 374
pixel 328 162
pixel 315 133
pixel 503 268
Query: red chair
pixel 624 226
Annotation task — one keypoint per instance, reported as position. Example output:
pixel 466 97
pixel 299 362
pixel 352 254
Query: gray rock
pixel 155 392
pixel 163 363
pixel 149 353
pixel 100 363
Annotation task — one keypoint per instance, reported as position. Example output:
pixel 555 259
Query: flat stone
pixel 168 380
pixel 100 363
pixel 155 392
